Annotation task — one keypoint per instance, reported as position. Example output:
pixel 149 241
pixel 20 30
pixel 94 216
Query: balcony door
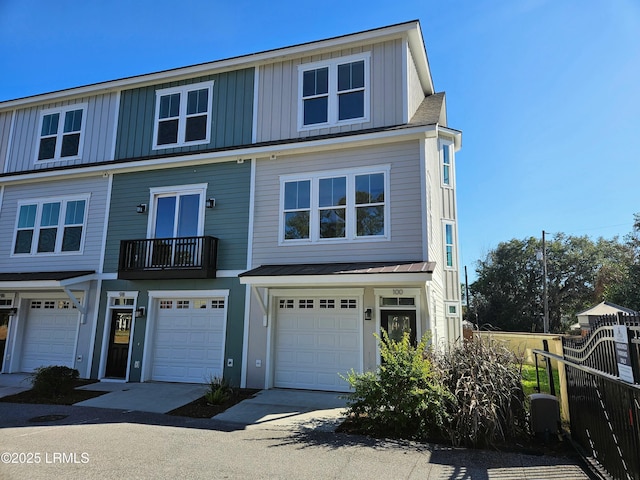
pixel 177 222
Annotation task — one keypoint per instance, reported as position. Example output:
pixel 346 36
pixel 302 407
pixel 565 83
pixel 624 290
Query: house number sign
pixel 398 291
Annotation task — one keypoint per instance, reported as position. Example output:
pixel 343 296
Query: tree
pixel 621 280
pixel 508 293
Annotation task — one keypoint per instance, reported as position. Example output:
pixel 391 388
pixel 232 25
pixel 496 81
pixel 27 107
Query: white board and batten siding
pixel 89 258
pixel 98 123
pixel 277 96
pixel 405 222
pixel 5 132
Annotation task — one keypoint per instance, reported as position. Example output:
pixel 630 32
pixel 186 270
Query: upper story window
pixel 183 115
pixel 448 245
pixel 447 180
pixel 61 132
pixel 333 206
pixel 50 226
pixel 334 92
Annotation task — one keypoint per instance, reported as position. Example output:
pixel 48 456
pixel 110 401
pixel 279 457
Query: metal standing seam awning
pixel 47 281
pixel 336 274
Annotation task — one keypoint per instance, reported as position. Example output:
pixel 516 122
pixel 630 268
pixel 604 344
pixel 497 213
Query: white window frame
pixel 39 202
pixel 351 206
pixel 62 111
pixel 176 190
pixel 183 90
pixel 333 96
pixel 453 245
pixel 447 147
pixel 448 305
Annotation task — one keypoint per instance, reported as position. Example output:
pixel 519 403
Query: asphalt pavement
pixel 73 442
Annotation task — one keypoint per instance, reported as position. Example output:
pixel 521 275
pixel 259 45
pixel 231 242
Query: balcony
pixel 168 258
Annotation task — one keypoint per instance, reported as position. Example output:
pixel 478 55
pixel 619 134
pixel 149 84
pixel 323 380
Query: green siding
pixel 231 122
pixel 235 319
pixel 229 184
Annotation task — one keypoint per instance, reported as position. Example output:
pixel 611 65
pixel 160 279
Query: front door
pixel 397 322
pixel 119 338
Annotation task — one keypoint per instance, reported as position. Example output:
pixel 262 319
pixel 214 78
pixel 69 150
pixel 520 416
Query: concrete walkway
pixel 12 383
pixel 143 397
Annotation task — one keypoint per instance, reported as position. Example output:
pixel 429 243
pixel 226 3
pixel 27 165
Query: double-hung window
pixel 50 226
pixel 183 116
pixel 61 132
pixel 334 92
pixel 333 206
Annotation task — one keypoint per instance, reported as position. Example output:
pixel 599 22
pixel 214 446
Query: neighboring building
pixel 589 317
pixel 257 218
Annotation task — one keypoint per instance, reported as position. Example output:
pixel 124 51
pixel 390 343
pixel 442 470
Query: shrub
pixel 484 378
pixel 54 381
pixel 219 391
pixel 402 399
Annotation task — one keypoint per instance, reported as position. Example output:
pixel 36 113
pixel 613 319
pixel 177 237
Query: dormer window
pixel 61 132
pixel 183 116
pixel 334 92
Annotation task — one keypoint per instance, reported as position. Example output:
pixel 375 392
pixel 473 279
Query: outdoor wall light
pixel 141 208
pixel 140 312
pixel 210 203
pixel 13 311
pixel 368 314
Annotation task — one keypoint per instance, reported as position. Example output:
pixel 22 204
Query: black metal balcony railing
pixel 168 258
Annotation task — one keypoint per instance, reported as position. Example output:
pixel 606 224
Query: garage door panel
pixel 314 345
pixel 49 335
pixel 188 342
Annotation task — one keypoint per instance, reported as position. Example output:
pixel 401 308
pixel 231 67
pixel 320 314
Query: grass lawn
pixel 529 382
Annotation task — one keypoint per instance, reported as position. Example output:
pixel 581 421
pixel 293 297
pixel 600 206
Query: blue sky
pixel 544 91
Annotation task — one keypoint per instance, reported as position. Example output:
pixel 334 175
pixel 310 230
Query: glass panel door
pixel 177 217
pixel 399 322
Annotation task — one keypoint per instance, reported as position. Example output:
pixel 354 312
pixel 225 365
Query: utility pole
pixel 545 294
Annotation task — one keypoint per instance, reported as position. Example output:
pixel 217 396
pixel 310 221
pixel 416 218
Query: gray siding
pixel 405 210
pixel 278 93
pixel 89 259
pixel 98 134
pixel 228 183
pixel 231 122
pixel 5 131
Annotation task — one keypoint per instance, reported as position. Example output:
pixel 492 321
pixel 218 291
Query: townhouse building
pixel 258 218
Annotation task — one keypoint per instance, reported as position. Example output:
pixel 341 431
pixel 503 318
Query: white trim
pixel 256 93
pixel 350 207
pixel 116 119
pixel 442 146
pixel 105 226
pixel 448 304
pixel 111 294
pixel 45 284
pixel 252 207
pixel 333 93
pixel 405 80
pixel 410 29
pixel 245 337
pixel 454 247
pixel 416 293
pixel 60 227
pixel 176 190
pixel 9 142
pixel 61 111
pixel 424 207
pixel 191 159
pixel 183 91
pixel 155 294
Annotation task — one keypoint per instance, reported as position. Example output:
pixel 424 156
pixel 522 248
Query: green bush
pixel 219 391
pixel 402 399
pixel 54 381
pixel 484 378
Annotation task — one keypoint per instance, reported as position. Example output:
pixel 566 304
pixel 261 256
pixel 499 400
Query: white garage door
pixel 188 342
pixel 49 334
pixel 316 339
